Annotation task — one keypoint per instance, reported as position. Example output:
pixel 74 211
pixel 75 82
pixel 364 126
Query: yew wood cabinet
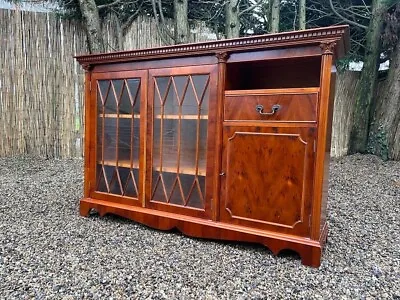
pixel 223 140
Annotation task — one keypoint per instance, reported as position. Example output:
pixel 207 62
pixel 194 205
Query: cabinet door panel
pixel 178 139
pixel 119 152
pixel 268 177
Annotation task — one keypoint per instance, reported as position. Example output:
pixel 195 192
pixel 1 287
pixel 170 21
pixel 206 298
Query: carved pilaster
pixel 222 56
pixel 327 47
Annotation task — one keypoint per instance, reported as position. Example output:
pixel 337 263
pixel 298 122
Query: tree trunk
pixel 366 91
pixel 119 34
pixel 91 18
pixel 232 23
pixel 385 125
pixel 395 150
pixel 181 26
pixel 302 14
pixel 274 20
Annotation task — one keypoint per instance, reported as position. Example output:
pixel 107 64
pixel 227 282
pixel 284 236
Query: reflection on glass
pixel 118 133
pixel 180 139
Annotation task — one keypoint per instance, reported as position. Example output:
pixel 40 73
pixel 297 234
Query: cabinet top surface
pixel 339 35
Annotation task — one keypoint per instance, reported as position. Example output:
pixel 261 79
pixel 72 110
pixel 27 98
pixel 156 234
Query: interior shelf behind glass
pixel 173 117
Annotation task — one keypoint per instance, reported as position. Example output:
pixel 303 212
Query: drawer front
pixel 273 107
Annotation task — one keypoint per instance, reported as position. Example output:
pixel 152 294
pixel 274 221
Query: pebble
pixel 47 251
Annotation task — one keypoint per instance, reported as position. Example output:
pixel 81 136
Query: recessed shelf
pixel 121 163
pixel 262 92
pixel 168 166
pixel 274 74
pixel 121 116
pixel 173 117
pixel 182 117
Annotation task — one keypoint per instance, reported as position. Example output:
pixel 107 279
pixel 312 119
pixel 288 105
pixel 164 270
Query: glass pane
pixel 124 175
pixel 156 144
pixel 158 188
pixel 117 85
pixel 202 183
pixel 110 102
pixel 170 145
pixel 180 85
pixel 187 183
pixel 180 139
pixel 190 105
pixel 99 138
pixel 102 91
pixel 118 136
pixel 109 144
pixel 115 183
pixel 104 177
pixel 171 103
pixel 195 198
pixel 188 145
pixel 100 179
pixel 131 184
pixel 134 88
pixel 176 195
pixel 125 106
pixel 202 146
pixel 165 155
pixel 201 86
pixel 162 84
pixel 135 142
pixel 124 140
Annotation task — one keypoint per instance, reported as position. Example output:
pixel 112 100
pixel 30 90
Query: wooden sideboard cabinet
pixel 223 140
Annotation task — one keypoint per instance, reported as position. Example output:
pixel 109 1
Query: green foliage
pixel 378 143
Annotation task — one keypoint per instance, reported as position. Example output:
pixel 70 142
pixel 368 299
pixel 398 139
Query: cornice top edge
pixel 305 36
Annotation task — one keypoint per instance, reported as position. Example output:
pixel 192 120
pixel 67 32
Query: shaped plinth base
pixel 309 250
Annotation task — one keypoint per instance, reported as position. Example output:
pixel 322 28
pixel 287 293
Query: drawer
pixel 264 105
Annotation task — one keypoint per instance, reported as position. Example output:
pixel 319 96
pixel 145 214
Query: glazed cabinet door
pixel 117 151
pixel 267 177
pixel 181 119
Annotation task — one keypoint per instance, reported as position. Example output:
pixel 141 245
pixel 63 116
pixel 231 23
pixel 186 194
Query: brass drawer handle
pixel 260 108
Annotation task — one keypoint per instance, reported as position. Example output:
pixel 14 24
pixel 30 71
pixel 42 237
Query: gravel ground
pixel 47 251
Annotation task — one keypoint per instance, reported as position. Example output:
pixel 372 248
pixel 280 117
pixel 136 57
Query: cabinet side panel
pixel 85 135
pixel 322 153
pixel 89 135
pixel 325 186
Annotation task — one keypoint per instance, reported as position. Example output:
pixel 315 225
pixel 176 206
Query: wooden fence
pixel 346 85
pixel 41 85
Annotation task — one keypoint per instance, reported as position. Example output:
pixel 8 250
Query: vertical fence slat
pixel 41 85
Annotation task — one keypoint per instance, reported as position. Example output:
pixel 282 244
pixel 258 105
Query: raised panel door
pixel 267 178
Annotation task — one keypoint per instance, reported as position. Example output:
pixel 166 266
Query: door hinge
pixel 315 146
pixel 90 85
